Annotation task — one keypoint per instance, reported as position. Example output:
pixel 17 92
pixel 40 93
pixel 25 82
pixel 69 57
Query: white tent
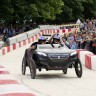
pixel 78 21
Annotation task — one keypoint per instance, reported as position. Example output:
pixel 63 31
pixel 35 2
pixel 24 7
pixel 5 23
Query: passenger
pixel 28 52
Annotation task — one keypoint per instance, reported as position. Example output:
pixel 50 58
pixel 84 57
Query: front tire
pixel 78 68
pixel 32 67
pixel 65 71
pixel 23 66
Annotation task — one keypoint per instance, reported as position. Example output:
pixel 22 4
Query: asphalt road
pixel 50 83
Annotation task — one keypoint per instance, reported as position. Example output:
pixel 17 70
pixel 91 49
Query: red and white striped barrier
pixel 50 31
pixel 87 58
pixel 90 61
pixel 15 46
pixel 83 55
pixel 10 87
pixel 61 32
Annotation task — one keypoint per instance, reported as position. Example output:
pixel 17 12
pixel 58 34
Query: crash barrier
pixel 15 46
pixel 60 32
pixel 35 32
pixel 23 36
pixel 46 29
pixel 1 44
pixel 62 28
pixel 87 58
pixel 10 87
pixel 32 36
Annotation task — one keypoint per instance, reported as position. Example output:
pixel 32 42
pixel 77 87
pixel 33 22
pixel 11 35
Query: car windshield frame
pixel 49 46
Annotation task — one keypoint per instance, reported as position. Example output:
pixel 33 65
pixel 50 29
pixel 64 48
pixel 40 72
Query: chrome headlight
pixel 40 53
pixel 74 53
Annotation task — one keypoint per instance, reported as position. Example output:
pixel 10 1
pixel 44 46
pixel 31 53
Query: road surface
pixel 50 83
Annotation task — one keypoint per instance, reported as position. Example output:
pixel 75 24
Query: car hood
pixel 56 50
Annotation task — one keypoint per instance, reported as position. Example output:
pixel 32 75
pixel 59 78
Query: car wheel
pixel 65 71
pixel 78 68
pixel 23 66
pixel 32 67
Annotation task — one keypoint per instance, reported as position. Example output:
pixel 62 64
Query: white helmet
pixel 57 36
pixel 42 38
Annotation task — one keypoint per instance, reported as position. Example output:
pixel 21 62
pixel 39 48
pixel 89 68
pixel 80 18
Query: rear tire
pixel 65 71
pixel 23 66
pixel 32 67
pixel 78 68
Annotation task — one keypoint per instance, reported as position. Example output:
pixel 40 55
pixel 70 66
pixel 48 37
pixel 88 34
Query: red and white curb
pixel 10 87
pixel 88 59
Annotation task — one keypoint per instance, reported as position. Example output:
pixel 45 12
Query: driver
pixel 55 39
pixel 28 52
pixel 41 40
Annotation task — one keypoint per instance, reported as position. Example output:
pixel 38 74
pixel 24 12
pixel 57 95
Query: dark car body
pixel 57 58
pixel 52 57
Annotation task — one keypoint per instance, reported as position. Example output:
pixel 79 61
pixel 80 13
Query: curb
pixel 10 87
pixel 88 59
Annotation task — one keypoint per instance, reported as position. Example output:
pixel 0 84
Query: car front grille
pixel 58 56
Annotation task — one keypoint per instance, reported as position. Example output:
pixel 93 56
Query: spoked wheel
pixel 78 68
pixel 32 67
pixel 23 66
pixel 65 71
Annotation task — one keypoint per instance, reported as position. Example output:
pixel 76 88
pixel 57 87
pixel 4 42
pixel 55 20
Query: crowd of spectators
pixel 85 39
pixel 13 30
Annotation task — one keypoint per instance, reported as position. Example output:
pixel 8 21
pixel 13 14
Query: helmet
pixel 42 38
pixel 57 36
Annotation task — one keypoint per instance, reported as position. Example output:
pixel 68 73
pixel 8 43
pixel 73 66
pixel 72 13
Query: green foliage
pixel 12 11
pixel 21 11
pixel 74 9
pixel 89 8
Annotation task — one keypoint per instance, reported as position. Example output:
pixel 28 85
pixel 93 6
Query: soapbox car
pixel 52 57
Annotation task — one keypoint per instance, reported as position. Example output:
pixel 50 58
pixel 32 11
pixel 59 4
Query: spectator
pixel 5 37
pixel 78 40
pixel 73 46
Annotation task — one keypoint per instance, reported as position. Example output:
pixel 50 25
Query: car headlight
pixel 74 53
pixel 40 53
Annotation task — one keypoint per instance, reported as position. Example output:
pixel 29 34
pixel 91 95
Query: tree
pixel 26 10
pixel 72 10
pixel 89 8
pixel 5 10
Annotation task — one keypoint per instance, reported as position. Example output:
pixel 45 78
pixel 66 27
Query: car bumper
pixel 58 63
